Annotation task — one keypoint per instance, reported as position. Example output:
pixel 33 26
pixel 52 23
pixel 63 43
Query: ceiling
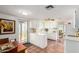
pixel 59 12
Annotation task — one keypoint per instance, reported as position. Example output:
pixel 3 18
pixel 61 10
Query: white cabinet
pixel 39 40
pixel 77 19
pixel 71 46
pixel 52 36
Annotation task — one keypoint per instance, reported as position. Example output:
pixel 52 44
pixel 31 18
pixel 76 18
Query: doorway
pixel 23 32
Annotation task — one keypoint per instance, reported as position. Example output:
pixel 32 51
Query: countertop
pixel 72 37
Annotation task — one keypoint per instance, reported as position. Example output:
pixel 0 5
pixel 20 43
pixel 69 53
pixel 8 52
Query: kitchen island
pixel 71 43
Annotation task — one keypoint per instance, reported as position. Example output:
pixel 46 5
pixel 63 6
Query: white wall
pixel 11 36
pixel 70 29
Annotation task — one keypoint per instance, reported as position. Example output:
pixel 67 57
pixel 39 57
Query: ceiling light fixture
pixel 23 12
pixel 49 7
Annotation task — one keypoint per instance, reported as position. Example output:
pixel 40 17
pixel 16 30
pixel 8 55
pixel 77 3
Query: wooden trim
pixel 4 40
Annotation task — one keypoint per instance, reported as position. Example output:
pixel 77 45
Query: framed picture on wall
pixel 7 26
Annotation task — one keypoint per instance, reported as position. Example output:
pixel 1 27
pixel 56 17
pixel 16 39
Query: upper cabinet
pixel 77 18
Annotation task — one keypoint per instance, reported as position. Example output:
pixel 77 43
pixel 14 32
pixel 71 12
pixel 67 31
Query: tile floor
pixel 53 47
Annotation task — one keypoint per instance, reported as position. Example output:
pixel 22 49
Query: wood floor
pixel 53 47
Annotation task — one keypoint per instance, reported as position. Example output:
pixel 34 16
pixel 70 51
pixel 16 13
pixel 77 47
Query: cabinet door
pixel 77 19
pixel 38 40
pixel 71 46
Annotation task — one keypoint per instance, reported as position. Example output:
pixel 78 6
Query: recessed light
pixel 24 12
